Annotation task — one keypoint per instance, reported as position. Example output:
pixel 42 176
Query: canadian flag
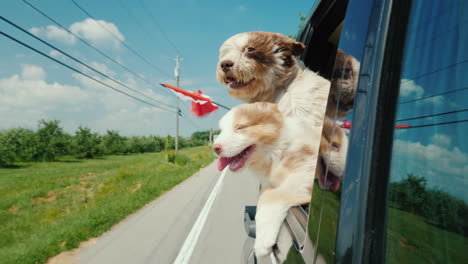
pixel 201 103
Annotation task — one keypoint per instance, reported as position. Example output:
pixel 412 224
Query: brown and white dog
pixel 283 153
pixel 343 85
pixel 261 67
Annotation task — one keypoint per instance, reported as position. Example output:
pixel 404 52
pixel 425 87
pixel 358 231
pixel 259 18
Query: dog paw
pixel 263 248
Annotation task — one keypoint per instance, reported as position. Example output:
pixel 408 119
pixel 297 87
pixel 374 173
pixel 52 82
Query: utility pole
pixel 211 136
pixel 176 73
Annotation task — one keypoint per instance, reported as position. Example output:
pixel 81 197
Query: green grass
pixel 410 239
pixel 46 208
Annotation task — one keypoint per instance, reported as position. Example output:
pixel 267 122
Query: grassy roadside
pixel 410 238
pixel 46 208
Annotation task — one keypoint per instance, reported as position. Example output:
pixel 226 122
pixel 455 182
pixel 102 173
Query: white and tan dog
pixel 261 67
pixel 283 152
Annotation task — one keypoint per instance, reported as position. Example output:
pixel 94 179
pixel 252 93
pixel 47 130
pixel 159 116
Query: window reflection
pixel 428 202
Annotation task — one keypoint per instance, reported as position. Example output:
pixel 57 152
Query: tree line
pixel 50 142
pixel 438 207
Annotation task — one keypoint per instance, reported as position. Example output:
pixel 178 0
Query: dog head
pixel 251 63
pixel 333 149
pixel 343 85
pixel 246 133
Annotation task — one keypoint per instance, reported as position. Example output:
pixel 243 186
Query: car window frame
pixel 362 220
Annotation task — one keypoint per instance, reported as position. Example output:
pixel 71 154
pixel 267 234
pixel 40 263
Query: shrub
pixel 51 141
pixel 86 144
pixel 438 207
pixel 7 149
pixel 113 143
pixel 181 160
pixel 171 157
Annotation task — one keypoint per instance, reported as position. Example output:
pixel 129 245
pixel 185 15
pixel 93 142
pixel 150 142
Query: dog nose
pixel 226 65
pixel 217 148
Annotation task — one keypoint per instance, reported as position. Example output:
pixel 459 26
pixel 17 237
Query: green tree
pixel 86 144
pixel 302 20
pixel 113 143
pixel 51 141
pixel 410 193
pixel 8 148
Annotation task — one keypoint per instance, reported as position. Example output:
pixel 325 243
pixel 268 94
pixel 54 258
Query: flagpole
pixel 218 104
pixel 194 96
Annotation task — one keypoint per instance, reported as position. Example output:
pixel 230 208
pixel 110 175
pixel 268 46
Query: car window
pixel 325 204
pixel 332 58
pixel 427 208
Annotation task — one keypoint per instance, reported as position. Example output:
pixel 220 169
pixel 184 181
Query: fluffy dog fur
pixel 261 67
pixel 283 153
pixel 343 85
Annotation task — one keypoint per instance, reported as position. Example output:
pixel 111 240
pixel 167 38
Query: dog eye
pixel 335 146
pixel 240 127
pixel 250 49
pixel 277 50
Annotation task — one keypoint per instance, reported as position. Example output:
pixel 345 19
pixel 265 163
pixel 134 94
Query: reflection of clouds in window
pixel 442 166
pixel 441 140
pixel 409 88
pixel 416 102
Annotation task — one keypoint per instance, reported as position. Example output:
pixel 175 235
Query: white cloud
pixel 87 29
pixel 408 88
pixel 27 97
pixel 55 53
pixel 441 140
pixel 32 72
pixel 102 68
pixel 95 32
pixel 443 167
pixel 54 33
pixel 30 90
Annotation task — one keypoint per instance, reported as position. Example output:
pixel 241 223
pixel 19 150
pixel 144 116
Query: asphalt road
pixel 156 233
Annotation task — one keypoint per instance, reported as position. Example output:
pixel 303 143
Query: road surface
pixel 156 233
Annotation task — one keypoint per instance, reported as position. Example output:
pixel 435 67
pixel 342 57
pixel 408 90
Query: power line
pixel 155 21
pixel 135 19
pixel 193 124
pixel 190 122
pixel 440 114
pixel 82 73
pixel 118 39
pixel 437 124
pixel 80 62
pixel 90 45
pixel 436 71
pixel 434 95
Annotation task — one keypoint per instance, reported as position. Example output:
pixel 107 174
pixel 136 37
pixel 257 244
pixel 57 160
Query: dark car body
pixel 404 195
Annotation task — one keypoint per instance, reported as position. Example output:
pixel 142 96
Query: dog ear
pixel 297 48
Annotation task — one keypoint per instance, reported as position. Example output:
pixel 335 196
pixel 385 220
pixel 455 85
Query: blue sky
pixel 33 87
pixel 435 62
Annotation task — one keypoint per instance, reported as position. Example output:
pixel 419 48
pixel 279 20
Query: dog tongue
pixel 236 163
pixel 234 83
pixel 333 182
pixel 223 162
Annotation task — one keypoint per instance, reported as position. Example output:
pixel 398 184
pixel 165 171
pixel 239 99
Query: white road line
pixel 190 242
